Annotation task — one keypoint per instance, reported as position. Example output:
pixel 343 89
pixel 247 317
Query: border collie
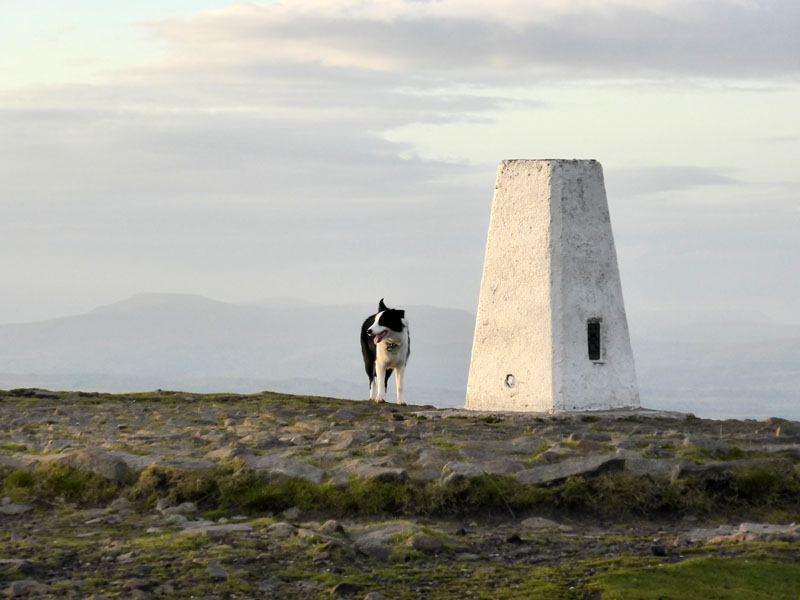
pixel 385 345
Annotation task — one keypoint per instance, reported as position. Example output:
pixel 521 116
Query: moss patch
pixel 706 578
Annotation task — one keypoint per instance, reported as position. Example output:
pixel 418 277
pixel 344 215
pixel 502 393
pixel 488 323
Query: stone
pixel 645 467
pixel 98 460
pixel 377 542
pixel 331 526
pixel 120 504
pixel 24 587
pixel 502 466
pixel 216 529
pixel 341 440
pixel 278 466
pixel 454 473
pixel 374 596
pixel 539 523
pixel 586 466
pixel 138 584
pixel 551 332
pixel 15 564
pixel 281 530
pixel 425 543
pixel 345 588
pixel 229 452
pixel 183 508
pixel 216 571
pixel 707 444
pixel 589 435
pixel 372 469
pixel 716 469
pixel 14 509
pixel 291 514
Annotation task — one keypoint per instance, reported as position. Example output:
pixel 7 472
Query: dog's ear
pixel 382 306
pixel 402 314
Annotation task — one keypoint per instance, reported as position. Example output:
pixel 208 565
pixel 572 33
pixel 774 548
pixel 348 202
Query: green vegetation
pixel 757 491
pixel 54 481
pixel 704 578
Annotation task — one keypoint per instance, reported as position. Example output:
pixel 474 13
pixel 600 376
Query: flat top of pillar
pixel 548 160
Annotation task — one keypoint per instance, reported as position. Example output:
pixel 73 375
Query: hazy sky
pixel 345 150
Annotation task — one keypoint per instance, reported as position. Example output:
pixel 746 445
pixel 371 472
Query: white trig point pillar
pixel 551 333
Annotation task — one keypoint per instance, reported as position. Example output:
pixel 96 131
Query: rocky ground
pixel 172 495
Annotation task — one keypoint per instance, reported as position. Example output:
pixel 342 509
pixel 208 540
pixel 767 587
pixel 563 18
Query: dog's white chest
pixel 392 353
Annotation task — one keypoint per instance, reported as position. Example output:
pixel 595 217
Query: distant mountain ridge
pixel 202 345
pixel 736 369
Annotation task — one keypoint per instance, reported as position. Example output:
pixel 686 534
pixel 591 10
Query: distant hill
pixel 193 343
pixel 741 368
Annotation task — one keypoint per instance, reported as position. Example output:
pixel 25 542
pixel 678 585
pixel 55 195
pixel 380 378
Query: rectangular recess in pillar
pixel 594 335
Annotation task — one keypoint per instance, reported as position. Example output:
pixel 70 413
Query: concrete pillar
pixel 551 333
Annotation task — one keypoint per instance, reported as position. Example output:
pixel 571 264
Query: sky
pixel 345 150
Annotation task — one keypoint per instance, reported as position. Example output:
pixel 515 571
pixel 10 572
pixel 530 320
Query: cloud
pixel 636 181
pixel 485 42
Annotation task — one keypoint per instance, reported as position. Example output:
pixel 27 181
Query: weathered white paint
pixel 550 268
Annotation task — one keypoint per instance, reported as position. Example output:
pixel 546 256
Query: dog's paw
pixel 402 403
pixel 379 400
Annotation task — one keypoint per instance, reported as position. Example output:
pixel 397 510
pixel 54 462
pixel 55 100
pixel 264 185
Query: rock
pixel 291 514
pixel 330 527
pixel 502 466
pixel 377 542
pixel 479 454
pixel 371 469
pixel 141 584
pixel 341 440
pixel 10 461
pixel 14 509
pixel 281 530
pixel 374 596
pixel 98 460
pixel 433 457
pixel 183 508
pixel 213 529
pixel 658 550
pixel 707 444
pixel 716 469
pixel 591 446
pixel 24 587
pixel 642 467
pixel 229 452
pixel 590 435
pixel 216 571
pixel 348 413
pixel 587 466
pixel 20 565
pixel 279 466
pixel 162 504
pixel 454 473
pixel 425 543
pixel 345 588
pixel 164 589
pixel 120 504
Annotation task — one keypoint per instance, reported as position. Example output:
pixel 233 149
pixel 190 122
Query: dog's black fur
pixel 392 319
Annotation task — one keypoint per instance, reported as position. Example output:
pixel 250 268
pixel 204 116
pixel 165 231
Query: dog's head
pixel 387 321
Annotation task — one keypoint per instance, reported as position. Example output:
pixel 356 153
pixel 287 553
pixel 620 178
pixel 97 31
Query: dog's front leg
pixel 398 373
pixel 380 382
pixel 371 389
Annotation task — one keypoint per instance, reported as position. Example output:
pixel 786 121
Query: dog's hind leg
pixel 372 389
pixel 399 376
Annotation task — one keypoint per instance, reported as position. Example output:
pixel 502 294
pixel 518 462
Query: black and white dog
pixel 385 345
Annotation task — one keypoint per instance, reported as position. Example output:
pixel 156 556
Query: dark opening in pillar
pixel 593 331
